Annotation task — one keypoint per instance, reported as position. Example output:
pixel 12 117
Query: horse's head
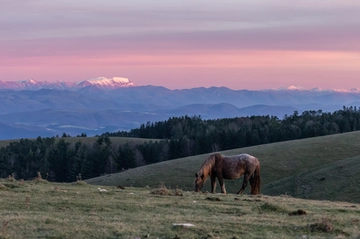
pixel 199 181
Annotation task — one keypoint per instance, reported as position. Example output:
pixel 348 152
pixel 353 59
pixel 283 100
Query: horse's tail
pixel 255 184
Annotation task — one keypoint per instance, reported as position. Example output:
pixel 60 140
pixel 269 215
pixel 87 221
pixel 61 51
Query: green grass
pixel 39 209
pixel 337 181
pixel 156 196
pixel 278 161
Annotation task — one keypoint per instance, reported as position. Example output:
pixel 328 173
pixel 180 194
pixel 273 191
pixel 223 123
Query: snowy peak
pixel 295 88
pixel 317 89
pixel 100 82
pixel 290 88
pixel 107 83
pixel 352 90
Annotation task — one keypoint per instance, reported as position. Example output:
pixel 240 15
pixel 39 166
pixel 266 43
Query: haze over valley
pixel 31 108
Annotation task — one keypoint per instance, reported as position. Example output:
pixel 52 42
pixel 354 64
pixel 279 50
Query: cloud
pixel 115 35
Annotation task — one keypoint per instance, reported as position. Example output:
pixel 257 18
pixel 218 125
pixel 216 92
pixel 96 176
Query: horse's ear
pixel 196 175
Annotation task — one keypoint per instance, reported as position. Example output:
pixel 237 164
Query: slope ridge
pixel 278 161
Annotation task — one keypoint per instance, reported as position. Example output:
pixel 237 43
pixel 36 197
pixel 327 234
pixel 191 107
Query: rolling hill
pixel 279 161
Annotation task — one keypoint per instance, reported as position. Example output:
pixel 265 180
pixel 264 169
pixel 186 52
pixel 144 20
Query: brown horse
pixel 229 167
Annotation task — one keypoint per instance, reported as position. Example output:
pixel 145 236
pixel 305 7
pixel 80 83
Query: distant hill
pixel 334 157
pixel 102 104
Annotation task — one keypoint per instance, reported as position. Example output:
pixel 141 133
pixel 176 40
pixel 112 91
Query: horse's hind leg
pixel 213 184
pixel 246 179
pixel 252 183
pixel 222 184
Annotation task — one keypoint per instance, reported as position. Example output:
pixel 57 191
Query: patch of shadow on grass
pixel 268 207
pixel 10 186
pixel 326 226
pixel 213 199
pixel 299 212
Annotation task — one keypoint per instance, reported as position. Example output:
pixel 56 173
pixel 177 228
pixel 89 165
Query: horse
pixel 229 167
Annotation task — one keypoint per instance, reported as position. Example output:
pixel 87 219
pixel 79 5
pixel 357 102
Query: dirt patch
pixel 213 199
pixel 299 212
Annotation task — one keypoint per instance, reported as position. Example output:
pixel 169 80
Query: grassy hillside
pixel 278 161
pixel 38 209
pixel 337 181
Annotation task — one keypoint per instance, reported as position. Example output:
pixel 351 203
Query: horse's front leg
pixel 246 179
pixel 213 184
pixel 222 184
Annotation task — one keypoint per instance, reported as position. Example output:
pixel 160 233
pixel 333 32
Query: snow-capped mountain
pixel 100 82
pixel 106 83
pixel 316 89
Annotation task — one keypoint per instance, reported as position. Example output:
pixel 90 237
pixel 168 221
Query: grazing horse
pixel 229 167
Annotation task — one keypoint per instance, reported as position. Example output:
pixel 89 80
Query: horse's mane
pixel 208 164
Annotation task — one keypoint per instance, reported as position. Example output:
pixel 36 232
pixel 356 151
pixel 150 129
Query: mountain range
pixel 29 108
pixel 100 82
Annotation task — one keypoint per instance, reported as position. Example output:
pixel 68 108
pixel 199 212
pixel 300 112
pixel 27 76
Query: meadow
pixel 39 209
pixel 309 190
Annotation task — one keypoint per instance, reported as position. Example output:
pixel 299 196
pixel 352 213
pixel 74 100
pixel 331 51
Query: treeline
pixel 58 160
pixel 192 135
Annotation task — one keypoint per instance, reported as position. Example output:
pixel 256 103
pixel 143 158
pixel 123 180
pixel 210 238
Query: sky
pixel 249 44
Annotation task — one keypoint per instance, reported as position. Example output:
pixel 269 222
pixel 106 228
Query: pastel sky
pixel 249 44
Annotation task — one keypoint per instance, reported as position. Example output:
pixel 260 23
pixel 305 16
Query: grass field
pixel 39 209
pixel 279 161
pixel 337 181
pixel 160 195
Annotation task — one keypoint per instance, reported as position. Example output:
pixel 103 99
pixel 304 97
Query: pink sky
pixel 184 44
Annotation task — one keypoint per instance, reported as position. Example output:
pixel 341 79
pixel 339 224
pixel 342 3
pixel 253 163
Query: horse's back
pixel 245 157
pixel 246 162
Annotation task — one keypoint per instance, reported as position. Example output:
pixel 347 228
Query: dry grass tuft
pixel 323 226
pixel 79 181
pixel 27 202
pixel 3 187
pixel 39 179
pixel 178 192
pixel 11 178
pixel 162 190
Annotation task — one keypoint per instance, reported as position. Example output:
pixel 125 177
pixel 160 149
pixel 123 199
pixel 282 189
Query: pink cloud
pixel 183 44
